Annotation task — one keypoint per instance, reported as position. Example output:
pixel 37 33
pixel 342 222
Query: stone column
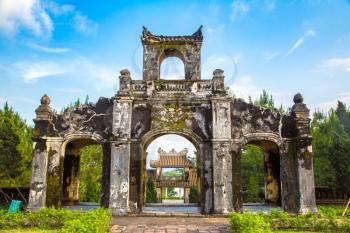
pixel 186 195
pixel 288 172
pixel 119 179
pixel 206 169
pixel 120 151
pixel 237 197
pixel 43 128
pixel 305 171
pixel 37 194
pixel 222 156
pixel 159 195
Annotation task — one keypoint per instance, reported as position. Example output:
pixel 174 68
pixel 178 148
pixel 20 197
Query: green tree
pixel 90 173
pixel 151 193
pixel 193 195
pixel 15 148
pixel 331 148
pixel 253 175
pixel 265 100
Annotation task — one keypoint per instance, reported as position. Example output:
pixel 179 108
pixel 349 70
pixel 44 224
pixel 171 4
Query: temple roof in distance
pixel 172 159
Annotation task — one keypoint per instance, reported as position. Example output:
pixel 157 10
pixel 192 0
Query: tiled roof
pixel 148 37
pixel 172 159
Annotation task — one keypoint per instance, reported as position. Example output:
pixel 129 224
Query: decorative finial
pixel 45 100
pixel 298 98
pixel 198 33
pixel 218 73
pixel 125 73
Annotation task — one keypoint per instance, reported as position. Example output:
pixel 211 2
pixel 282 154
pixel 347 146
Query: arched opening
pixel 171 175
pixel 260 171
pixel 82 173
pixel 171 65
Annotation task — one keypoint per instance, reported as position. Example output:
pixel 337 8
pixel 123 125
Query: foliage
pixel 171 193
pixel 15 148
pixel 90 173
pixel 194 195
pixel 331 146
pixel 248 223
pixel 265 100
pixel 252 170
pixel 50 218
pixel 328 219
pixel 151 193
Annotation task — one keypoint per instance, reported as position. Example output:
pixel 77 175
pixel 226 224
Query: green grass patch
pixel 61 220
pixel 328 219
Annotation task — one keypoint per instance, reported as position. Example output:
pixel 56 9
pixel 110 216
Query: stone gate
pixel 199 110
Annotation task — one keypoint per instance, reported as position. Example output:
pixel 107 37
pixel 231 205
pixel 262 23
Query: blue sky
pixel 70 49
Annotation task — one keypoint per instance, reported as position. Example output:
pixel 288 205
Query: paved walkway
pixel 170 225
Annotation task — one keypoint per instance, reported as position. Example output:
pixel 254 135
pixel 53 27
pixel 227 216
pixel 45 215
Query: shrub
pixel 96 221
pixel 248 223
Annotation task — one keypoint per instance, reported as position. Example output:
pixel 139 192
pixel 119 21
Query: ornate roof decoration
pixel 148 37
pixel 172 159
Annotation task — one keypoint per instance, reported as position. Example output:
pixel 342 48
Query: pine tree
pixel 151 193
pixel 15 148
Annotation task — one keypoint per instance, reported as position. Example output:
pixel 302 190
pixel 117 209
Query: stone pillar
pixel 237 197
pixel 42 129
pixel 222 156
pixel 37 194
pixel 119 179
pixel 159 195
pixel 306 185
pixel 186 195
pixel 288 172
pixel 120 152
pixel 206 169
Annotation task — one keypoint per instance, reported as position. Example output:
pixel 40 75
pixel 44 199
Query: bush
pixel 328 220
pixel 96 221
pixel 248 223
pixel 92 221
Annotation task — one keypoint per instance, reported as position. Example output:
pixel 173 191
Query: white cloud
pixel 268 55
pixel 34 16
pixel 47 49
pixel 340 63
pixel 327 105
pixel 221 61
pixel 31 72
pixel 83 24
pixel 300 41
pixel 24 14
pixel 239 8
pixel 58 10
pixel 101 76
pixel 244 87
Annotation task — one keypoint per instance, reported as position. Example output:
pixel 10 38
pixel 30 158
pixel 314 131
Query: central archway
pixel 180 173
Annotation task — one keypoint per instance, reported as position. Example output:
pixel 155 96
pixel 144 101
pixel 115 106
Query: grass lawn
pixel 29 230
